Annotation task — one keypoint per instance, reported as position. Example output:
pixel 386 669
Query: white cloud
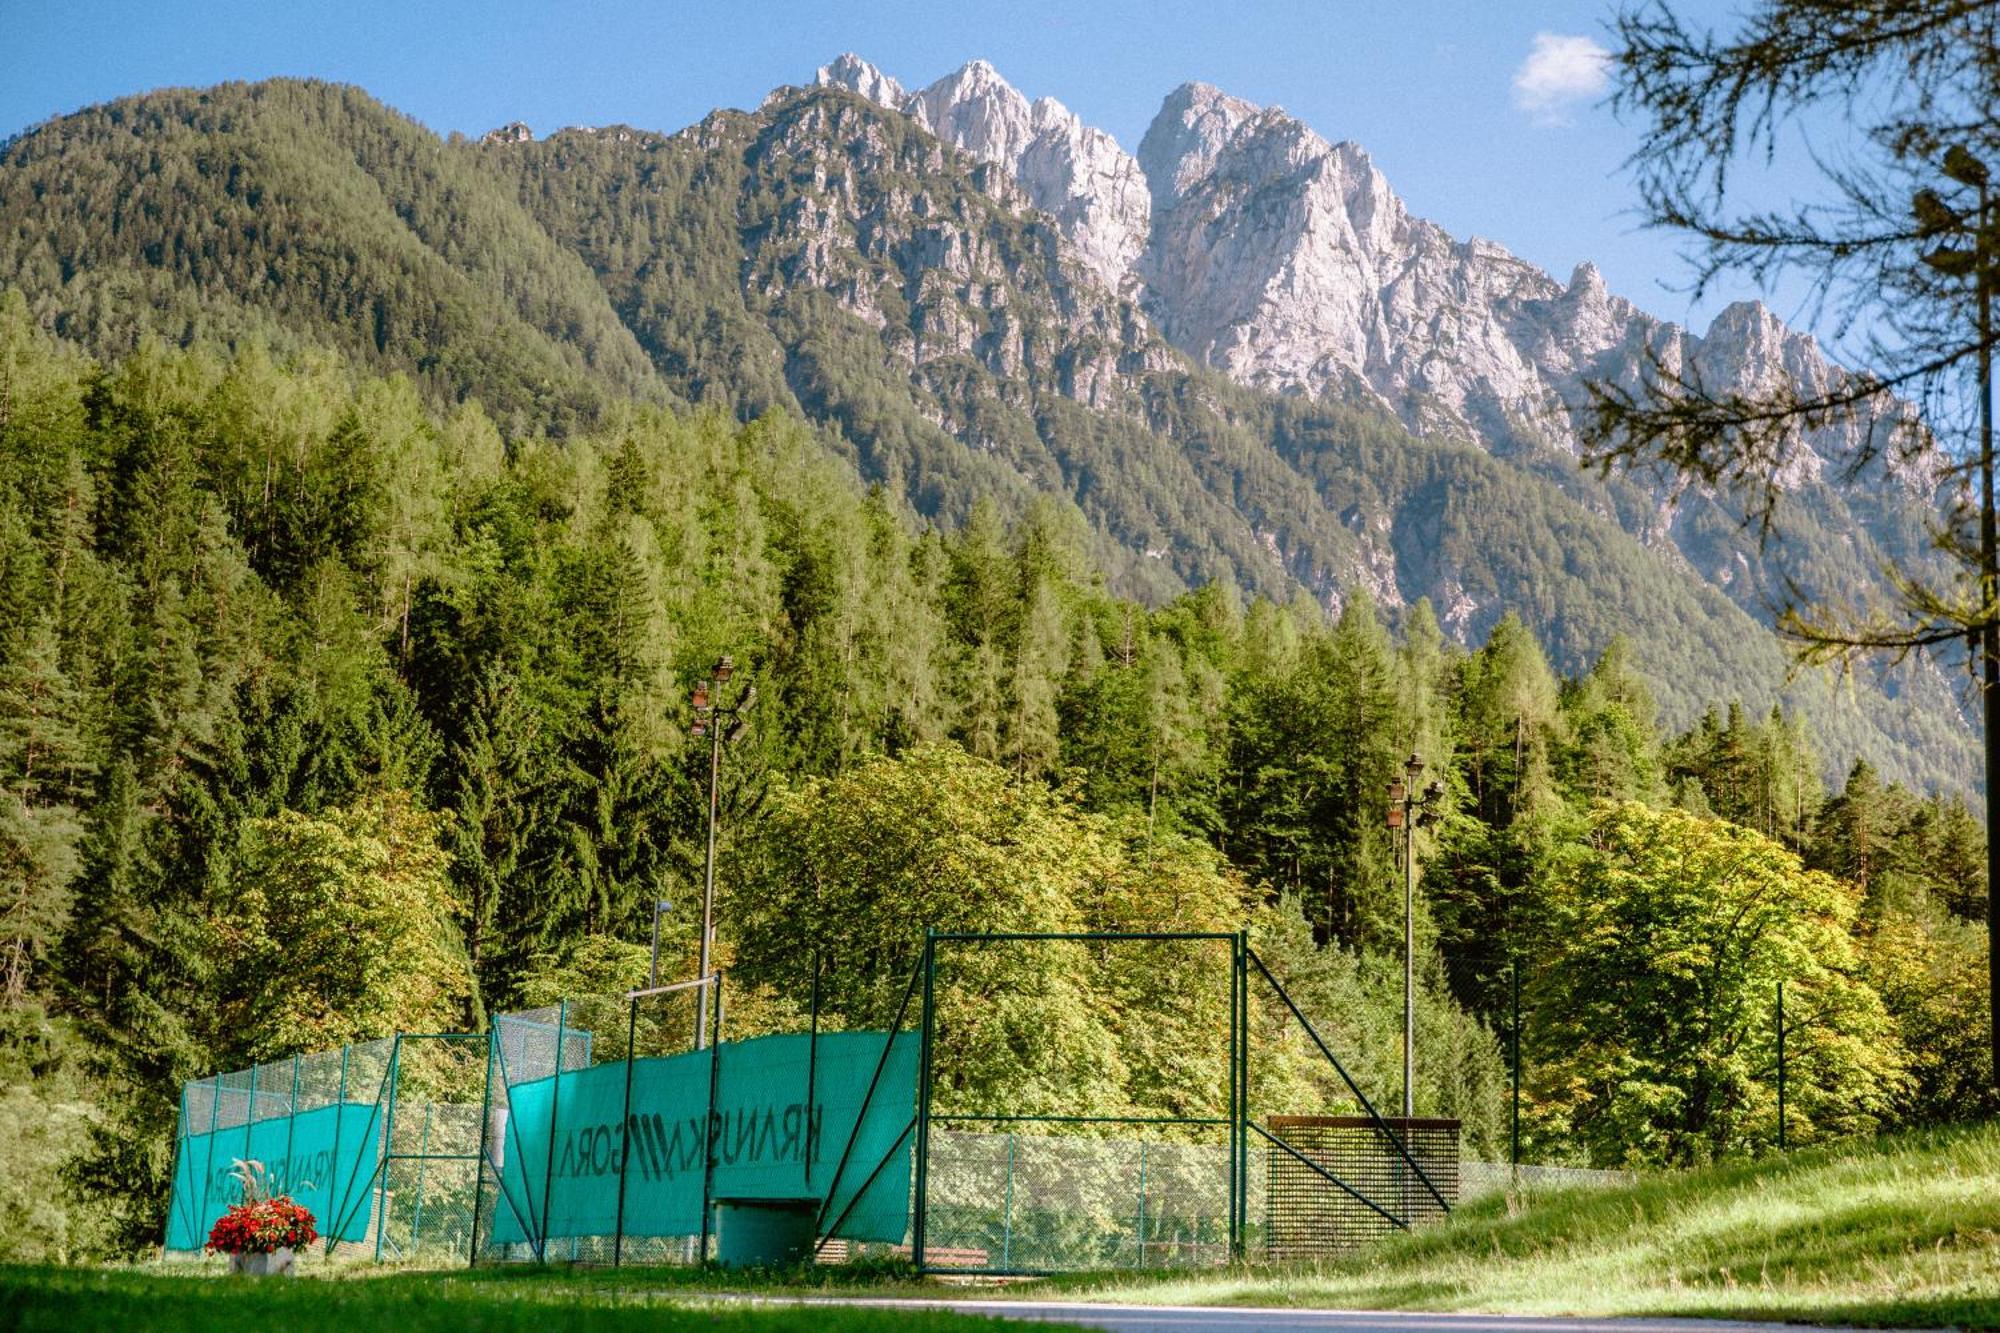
pixel 1560 72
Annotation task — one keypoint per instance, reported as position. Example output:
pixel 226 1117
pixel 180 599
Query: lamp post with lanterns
pixel 1408 809
pixel 711 715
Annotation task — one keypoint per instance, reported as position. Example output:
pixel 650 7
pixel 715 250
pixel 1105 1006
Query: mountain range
pixel 1233 355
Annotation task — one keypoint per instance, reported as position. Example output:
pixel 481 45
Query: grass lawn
pixel 1904 1231
pixel 189 1300
pixel 1901 1231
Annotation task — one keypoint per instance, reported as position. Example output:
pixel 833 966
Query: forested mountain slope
pixel 309 215
pixel 827 255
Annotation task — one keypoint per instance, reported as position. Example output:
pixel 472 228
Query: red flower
pixel 261 1227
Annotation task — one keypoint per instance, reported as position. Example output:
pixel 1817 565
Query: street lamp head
pixel 1413 766
pixel 1953 262
pixel 1398 793
pixel 1963 167
pixel 701 697
pixel 699 729
pixel 724 665
pixel 1434 792
pixel 1934 216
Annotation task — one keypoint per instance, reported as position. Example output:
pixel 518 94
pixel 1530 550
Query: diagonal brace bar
pixel 1309 1163
pixel 1353 1087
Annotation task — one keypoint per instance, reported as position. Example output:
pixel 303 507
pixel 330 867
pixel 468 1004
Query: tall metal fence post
pixel 208 1163
pixel 625 1130
pixel 485 1149
pixel 1142 1203
pixel 1007 1210
pixel 555 1101
pixel 812 1067
pixel 1235 1089
pixel 1242 1128
pixel 1781 1066
pixel 339 1114
pixel 292 1125
pixel 712 1123
pixel 918 1225
pixel 1514 1114
pixel 388 1143
pixel 249 1114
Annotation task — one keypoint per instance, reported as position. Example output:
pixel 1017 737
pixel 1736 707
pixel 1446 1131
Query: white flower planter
pixel 278 1263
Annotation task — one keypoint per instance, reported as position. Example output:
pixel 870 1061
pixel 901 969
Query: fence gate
pixel 1004 1191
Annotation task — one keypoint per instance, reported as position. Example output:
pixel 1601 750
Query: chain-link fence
pixel 1218 1122
pixel 377 1139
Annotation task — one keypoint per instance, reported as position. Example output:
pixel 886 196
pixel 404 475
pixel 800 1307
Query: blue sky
pixel 1428 86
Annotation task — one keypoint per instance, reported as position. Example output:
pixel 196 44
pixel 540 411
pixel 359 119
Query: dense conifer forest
pixel 560 282
pixel 326 710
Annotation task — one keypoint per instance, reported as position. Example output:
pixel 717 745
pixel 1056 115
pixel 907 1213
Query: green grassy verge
pixel 50 1300
pixel 1904 1231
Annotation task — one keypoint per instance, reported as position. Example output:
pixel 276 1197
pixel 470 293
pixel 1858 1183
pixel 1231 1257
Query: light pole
pixel 660 907
pixel 709 714
pixel 1936 217
pixel 1406 810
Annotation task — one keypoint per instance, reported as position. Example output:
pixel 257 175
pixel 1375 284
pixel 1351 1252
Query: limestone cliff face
pixel 1287 262
pixel 946 259
pixel 1077 175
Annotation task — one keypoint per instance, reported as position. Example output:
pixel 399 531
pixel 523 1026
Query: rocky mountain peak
pixel 513 131
pixel 851 72
pixel 1078 175
pixel 1289 262
pixel 1190 131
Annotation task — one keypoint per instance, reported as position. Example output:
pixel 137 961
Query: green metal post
pixel 1235 1090
pixel 625 1132
pixel 919 1224
pixel 1514 1155
pixel 555 1102
pixel 214 1123
pixel 1781 1066
pixel 711 1128
pixel 249 1113
pixel 292 1124
pixel 1243 1120
pixel 812 1067
pixel 1142 1203
pixel 340 1114
pixel 388 1144
pixel 423 1168
pixel 1007 1210
pixel 485 1149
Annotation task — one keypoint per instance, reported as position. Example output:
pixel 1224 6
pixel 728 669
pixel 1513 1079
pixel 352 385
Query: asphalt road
pixel 1220 1319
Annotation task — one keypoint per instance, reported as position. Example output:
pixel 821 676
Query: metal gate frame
pixel 1243 960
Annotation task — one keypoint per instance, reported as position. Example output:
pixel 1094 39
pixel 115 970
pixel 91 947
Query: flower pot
pixel 274 1264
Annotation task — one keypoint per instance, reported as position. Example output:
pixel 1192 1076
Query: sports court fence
pixel 592 1131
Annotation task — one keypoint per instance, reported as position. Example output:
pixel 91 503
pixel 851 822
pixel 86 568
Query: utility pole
pixel 1406 810
pixel 709 713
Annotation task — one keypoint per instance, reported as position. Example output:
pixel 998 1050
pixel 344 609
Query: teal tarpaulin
pixel 568 1185
pixel 325 1159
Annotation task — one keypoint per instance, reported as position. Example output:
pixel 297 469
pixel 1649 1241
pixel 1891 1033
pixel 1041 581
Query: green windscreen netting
pixel 544 1140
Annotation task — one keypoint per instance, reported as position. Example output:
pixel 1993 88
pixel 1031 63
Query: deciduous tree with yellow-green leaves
pixel 1654 1022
